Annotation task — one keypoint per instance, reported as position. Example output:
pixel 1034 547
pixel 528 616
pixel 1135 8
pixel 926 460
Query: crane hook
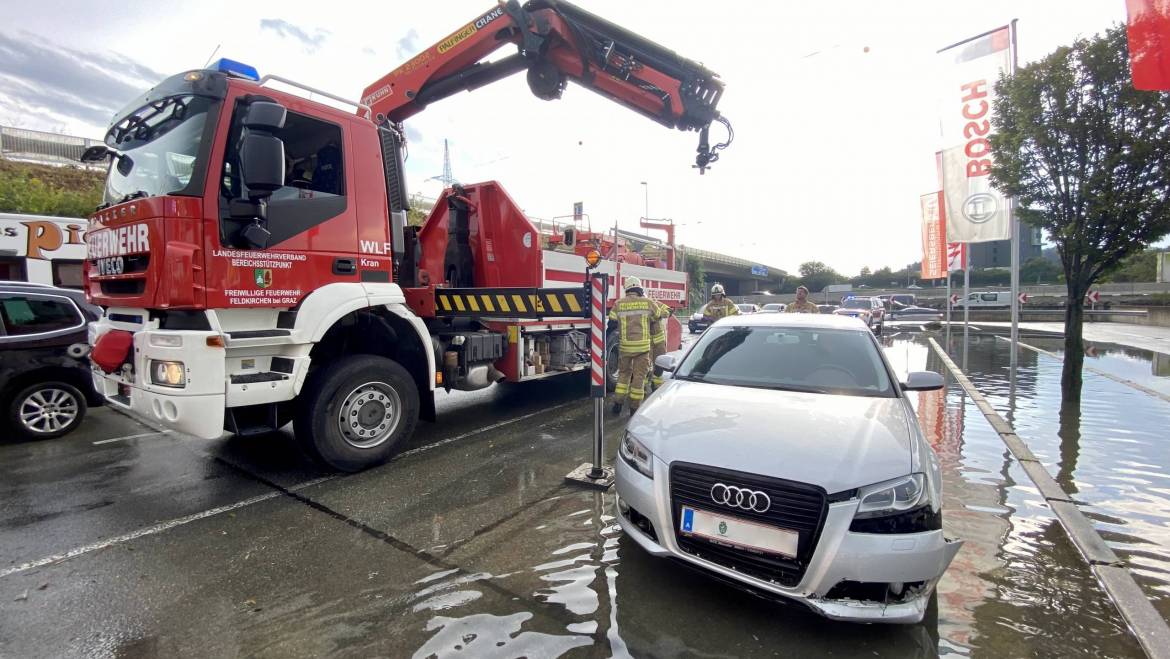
pixel 707 154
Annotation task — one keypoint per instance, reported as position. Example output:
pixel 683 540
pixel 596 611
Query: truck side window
pixel 990 297
pixel 314 186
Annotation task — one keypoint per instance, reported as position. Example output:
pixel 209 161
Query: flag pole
pixel 966 302
pixel 1014 227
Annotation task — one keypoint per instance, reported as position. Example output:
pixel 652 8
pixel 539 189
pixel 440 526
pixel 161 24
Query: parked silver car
pixel 783 454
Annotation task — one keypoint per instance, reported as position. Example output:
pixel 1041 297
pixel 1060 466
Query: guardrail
pixel 43 148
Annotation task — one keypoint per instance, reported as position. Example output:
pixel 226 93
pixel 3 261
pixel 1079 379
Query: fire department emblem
pixel 263 277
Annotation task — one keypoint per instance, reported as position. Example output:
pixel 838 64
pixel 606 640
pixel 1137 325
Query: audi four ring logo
pixel 739 497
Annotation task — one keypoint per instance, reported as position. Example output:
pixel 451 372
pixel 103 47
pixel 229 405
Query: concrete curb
pixel 1129 383
pixel 1145 623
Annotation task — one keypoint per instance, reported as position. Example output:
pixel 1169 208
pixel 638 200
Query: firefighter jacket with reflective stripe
pixel 658 323
pixel 720 309
pixel 633 314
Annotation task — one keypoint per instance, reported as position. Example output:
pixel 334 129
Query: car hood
pixel 851 312
pixel 836 442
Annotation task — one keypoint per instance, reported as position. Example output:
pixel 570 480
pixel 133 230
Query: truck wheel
pixel 46 410
pixel 357 411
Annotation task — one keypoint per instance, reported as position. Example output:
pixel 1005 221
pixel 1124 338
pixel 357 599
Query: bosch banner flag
pixel 1148 30
pixel 956 257
pixel 968 71
pixel 934 237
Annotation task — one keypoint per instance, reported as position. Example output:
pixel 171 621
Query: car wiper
pixel 137 194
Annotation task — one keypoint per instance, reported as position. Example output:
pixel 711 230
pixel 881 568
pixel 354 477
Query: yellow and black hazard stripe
pixel 513 302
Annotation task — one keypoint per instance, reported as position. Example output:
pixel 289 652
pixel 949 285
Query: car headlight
pixel 892 497
pixel 637 455
pixel 167 374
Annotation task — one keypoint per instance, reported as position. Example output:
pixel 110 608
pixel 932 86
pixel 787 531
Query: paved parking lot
pixel 121 541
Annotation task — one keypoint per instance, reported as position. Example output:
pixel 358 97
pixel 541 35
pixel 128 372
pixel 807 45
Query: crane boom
pixel 558 42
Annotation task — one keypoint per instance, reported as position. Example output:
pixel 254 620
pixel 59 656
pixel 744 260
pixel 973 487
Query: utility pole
pixel 646 189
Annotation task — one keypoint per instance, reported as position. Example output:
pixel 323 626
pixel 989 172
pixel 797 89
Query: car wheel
pixel 46 410
pixel 611 361
pixel 356 411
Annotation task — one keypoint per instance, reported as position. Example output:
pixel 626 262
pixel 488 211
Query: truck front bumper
pixel 196 408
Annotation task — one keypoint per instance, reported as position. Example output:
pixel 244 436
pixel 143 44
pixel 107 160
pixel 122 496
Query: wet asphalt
pixel 120 541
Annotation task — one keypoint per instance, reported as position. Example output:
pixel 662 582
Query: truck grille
pixel 796 506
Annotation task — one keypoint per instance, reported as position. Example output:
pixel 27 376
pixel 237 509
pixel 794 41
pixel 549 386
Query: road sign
pixel 759 271
pixel 578 210
pixel 1093 296
pixel 1023 298
pixel 838 288
pixel 954 299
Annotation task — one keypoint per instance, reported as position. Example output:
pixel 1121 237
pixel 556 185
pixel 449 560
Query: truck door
pixel 310 220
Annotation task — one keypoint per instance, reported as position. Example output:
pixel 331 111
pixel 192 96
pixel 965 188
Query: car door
pixel 36 322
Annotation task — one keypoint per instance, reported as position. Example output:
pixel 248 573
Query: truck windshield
pixel 157 148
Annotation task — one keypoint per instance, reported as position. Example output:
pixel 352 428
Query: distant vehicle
pixel 907 299
pixel 748 307
pixel 774 307
pixel 847 522
pixel 898 311
pixel 868 310
pixel 914 287
pixel 698 323
pixel 986 300
pixel 45 381
pixel 826 308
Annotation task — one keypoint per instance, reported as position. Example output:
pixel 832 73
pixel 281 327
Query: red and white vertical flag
pixel 956 257
pixel 976 212
pixel 934 237
pixel 1148 29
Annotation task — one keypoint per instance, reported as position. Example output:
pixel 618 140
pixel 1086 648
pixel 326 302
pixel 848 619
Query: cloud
pixel 39 77
pixel 412 134
pixel 407 46
pixel 287 30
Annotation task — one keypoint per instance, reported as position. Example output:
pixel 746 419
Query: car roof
pixel 803 320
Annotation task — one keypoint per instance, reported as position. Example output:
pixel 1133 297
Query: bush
pixel 41 190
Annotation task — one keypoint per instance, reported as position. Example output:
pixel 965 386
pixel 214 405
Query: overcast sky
pixel 832 104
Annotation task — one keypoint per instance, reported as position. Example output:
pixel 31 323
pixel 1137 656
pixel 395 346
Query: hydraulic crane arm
pixel 558 42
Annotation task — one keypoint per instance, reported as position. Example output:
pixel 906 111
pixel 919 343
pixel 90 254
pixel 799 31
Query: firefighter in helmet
pixel 631 316
pixel 719 306
pixel 658 340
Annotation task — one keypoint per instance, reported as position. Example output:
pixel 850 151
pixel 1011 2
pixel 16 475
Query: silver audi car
pixel 783 455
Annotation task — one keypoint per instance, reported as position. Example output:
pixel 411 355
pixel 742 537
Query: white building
pixel 43 249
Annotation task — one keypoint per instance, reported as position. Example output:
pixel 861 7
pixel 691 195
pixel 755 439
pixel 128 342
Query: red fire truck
pixel 255 264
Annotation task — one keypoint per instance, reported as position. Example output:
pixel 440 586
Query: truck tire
pixel 611 361
pixel 355 412
pixel 46 410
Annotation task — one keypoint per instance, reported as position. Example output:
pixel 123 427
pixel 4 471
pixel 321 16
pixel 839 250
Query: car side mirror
pixel 923 381
pixel 261 151
pixel 95 153
pixel 667 362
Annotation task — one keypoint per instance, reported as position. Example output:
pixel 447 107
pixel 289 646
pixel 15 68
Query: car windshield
pixel 157 147
pixel 746 307
pixel 829 361
pixel 772 307
pixel 857 303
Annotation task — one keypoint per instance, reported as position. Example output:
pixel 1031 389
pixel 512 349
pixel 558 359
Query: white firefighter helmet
pixel 717 289
pixel 632 282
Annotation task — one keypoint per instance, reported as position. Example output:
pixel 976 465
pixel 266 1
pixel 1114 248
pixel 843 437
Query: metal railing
pixel 44 148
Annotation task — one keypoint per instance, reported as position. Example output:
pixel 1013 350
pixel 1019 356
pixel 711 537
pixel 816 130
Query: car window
pixel 796 359
pixel 857 303
pixel 990 297
pixel 24 315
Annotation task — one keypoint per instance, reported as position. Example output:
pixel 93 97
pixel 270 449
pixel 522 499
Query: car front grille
pixel 795 506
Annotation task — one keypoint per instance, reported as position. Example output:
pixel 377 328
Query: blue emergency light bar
pixel 236 69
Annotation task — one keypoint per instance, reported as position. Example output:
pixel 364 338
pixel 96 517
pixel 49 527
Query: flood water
pixel 1017 588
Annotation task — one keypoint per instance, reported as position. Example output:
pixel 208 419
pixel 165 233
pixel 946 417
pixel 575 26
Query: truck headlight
pixel 167 374
pixel 891 497
pixel 637 455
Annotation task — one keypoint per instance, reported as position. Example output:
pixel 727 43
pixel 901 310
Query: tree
pixel 865 272
pixel 815 276
pixel 1038 270
pixel 1088 159
pixel 696 281
pixel 1141 266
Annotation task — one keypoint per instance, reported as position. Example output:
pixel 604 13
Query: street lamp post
pixel 646 189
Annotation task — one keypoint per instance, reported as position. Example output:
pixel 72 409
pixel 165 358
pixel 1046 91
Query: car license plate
pixel 738 532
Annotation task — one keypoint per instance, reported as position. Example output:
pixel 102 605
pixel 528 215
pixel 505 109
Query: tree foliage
pixel 1139 267
pixel 41 190
pixel 1088 159
pixel 815 276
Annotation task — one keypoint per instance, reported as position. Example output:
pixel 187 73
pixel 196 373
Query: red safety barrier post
pixel 596 475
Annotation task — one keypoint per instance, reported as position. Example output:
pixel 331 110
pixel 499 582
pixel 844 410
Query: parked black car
pixel 45 383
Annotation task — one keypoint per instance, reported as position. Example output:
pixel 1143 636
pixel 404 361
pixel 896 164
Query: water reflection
pixel 570 584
